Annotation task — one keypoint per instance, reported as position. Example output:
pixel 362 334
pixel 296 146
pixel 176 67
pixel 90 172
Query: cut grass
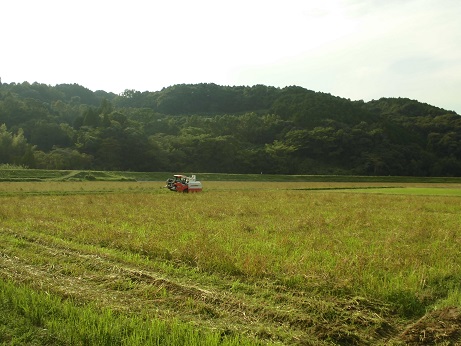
pixel 41 318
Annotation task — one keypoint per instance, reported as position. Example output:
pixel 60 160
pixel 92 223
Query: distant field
pixel 423 191
pixel 19 174
pixel 244 263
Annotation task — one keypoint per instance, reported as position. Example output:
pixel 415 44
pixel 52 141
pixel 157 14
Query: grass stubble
pixel 246 264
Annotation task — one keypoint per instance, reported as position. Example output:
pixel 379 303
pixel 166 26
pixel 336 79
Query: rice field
pixel 244 262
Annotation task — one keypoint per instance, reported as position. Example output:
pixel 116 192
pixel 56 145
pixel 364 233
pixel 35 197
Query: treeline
pixel 212 128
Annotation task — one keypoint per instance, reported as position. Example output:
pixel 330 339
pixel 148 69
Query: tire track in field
pixel 112 283
pixel 97 282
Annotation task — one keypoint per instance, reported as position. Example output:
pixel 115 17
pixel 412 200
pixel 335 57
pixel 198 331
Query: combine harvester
pixel 182 183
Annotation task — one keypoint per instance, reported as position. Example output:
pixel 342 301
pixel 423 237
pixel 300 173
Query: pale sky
pixel 357 49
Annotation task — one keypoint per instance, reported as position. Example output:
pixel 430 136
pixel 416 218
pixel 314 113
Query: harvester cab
pixel 182 183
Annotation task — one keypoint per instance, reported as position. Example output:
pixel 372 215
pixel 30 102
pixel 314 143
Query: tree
pixel 280 156
pixel 46 135
pixel 227 129
pixel 62 158
pixel 14 148
pixel 91 117
pixel 105 107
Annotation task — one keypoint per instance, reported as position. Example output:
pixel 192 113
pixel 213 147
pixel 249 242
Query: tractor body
pixel 182 183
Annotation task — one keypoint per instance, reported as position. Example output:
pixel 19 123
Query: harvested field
pixel 241 263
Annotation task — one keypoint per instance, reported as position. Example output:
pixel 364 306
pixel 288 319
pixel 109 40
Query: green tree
pixel 105 107
pixel 91 117
pixel 46 135
pixel 63 158
pixel 280 157
pixel 14 148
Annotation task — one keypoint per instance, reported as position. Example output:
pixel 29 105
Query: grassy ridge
pixel 18 174
pixel 13 173
pixel 241 262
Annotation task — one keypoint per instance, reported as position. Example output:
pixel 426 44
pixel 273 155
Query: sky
pixel 356 49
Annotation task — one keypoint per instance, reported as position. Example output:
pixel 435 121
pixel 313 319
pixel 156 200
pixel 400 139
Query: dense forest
pixel 233 129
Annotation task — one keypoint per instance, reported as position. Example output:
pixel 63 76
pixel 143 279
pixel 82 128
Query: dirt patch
pixel 436 327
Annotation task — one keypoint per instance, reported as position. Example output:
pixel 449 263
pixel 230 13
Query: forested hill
pixel 212 128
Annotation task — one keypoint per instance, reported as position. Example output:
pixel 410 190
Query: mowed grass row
pixel 263 245
pixel 41 318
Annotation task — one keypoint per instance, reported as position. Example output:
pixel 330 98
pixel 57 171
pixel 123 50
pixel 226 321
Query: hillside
pixel 212 128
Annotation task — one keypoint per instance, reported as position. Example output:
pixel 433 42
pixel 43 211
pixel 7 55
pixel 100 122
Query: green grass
pixel 42 318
